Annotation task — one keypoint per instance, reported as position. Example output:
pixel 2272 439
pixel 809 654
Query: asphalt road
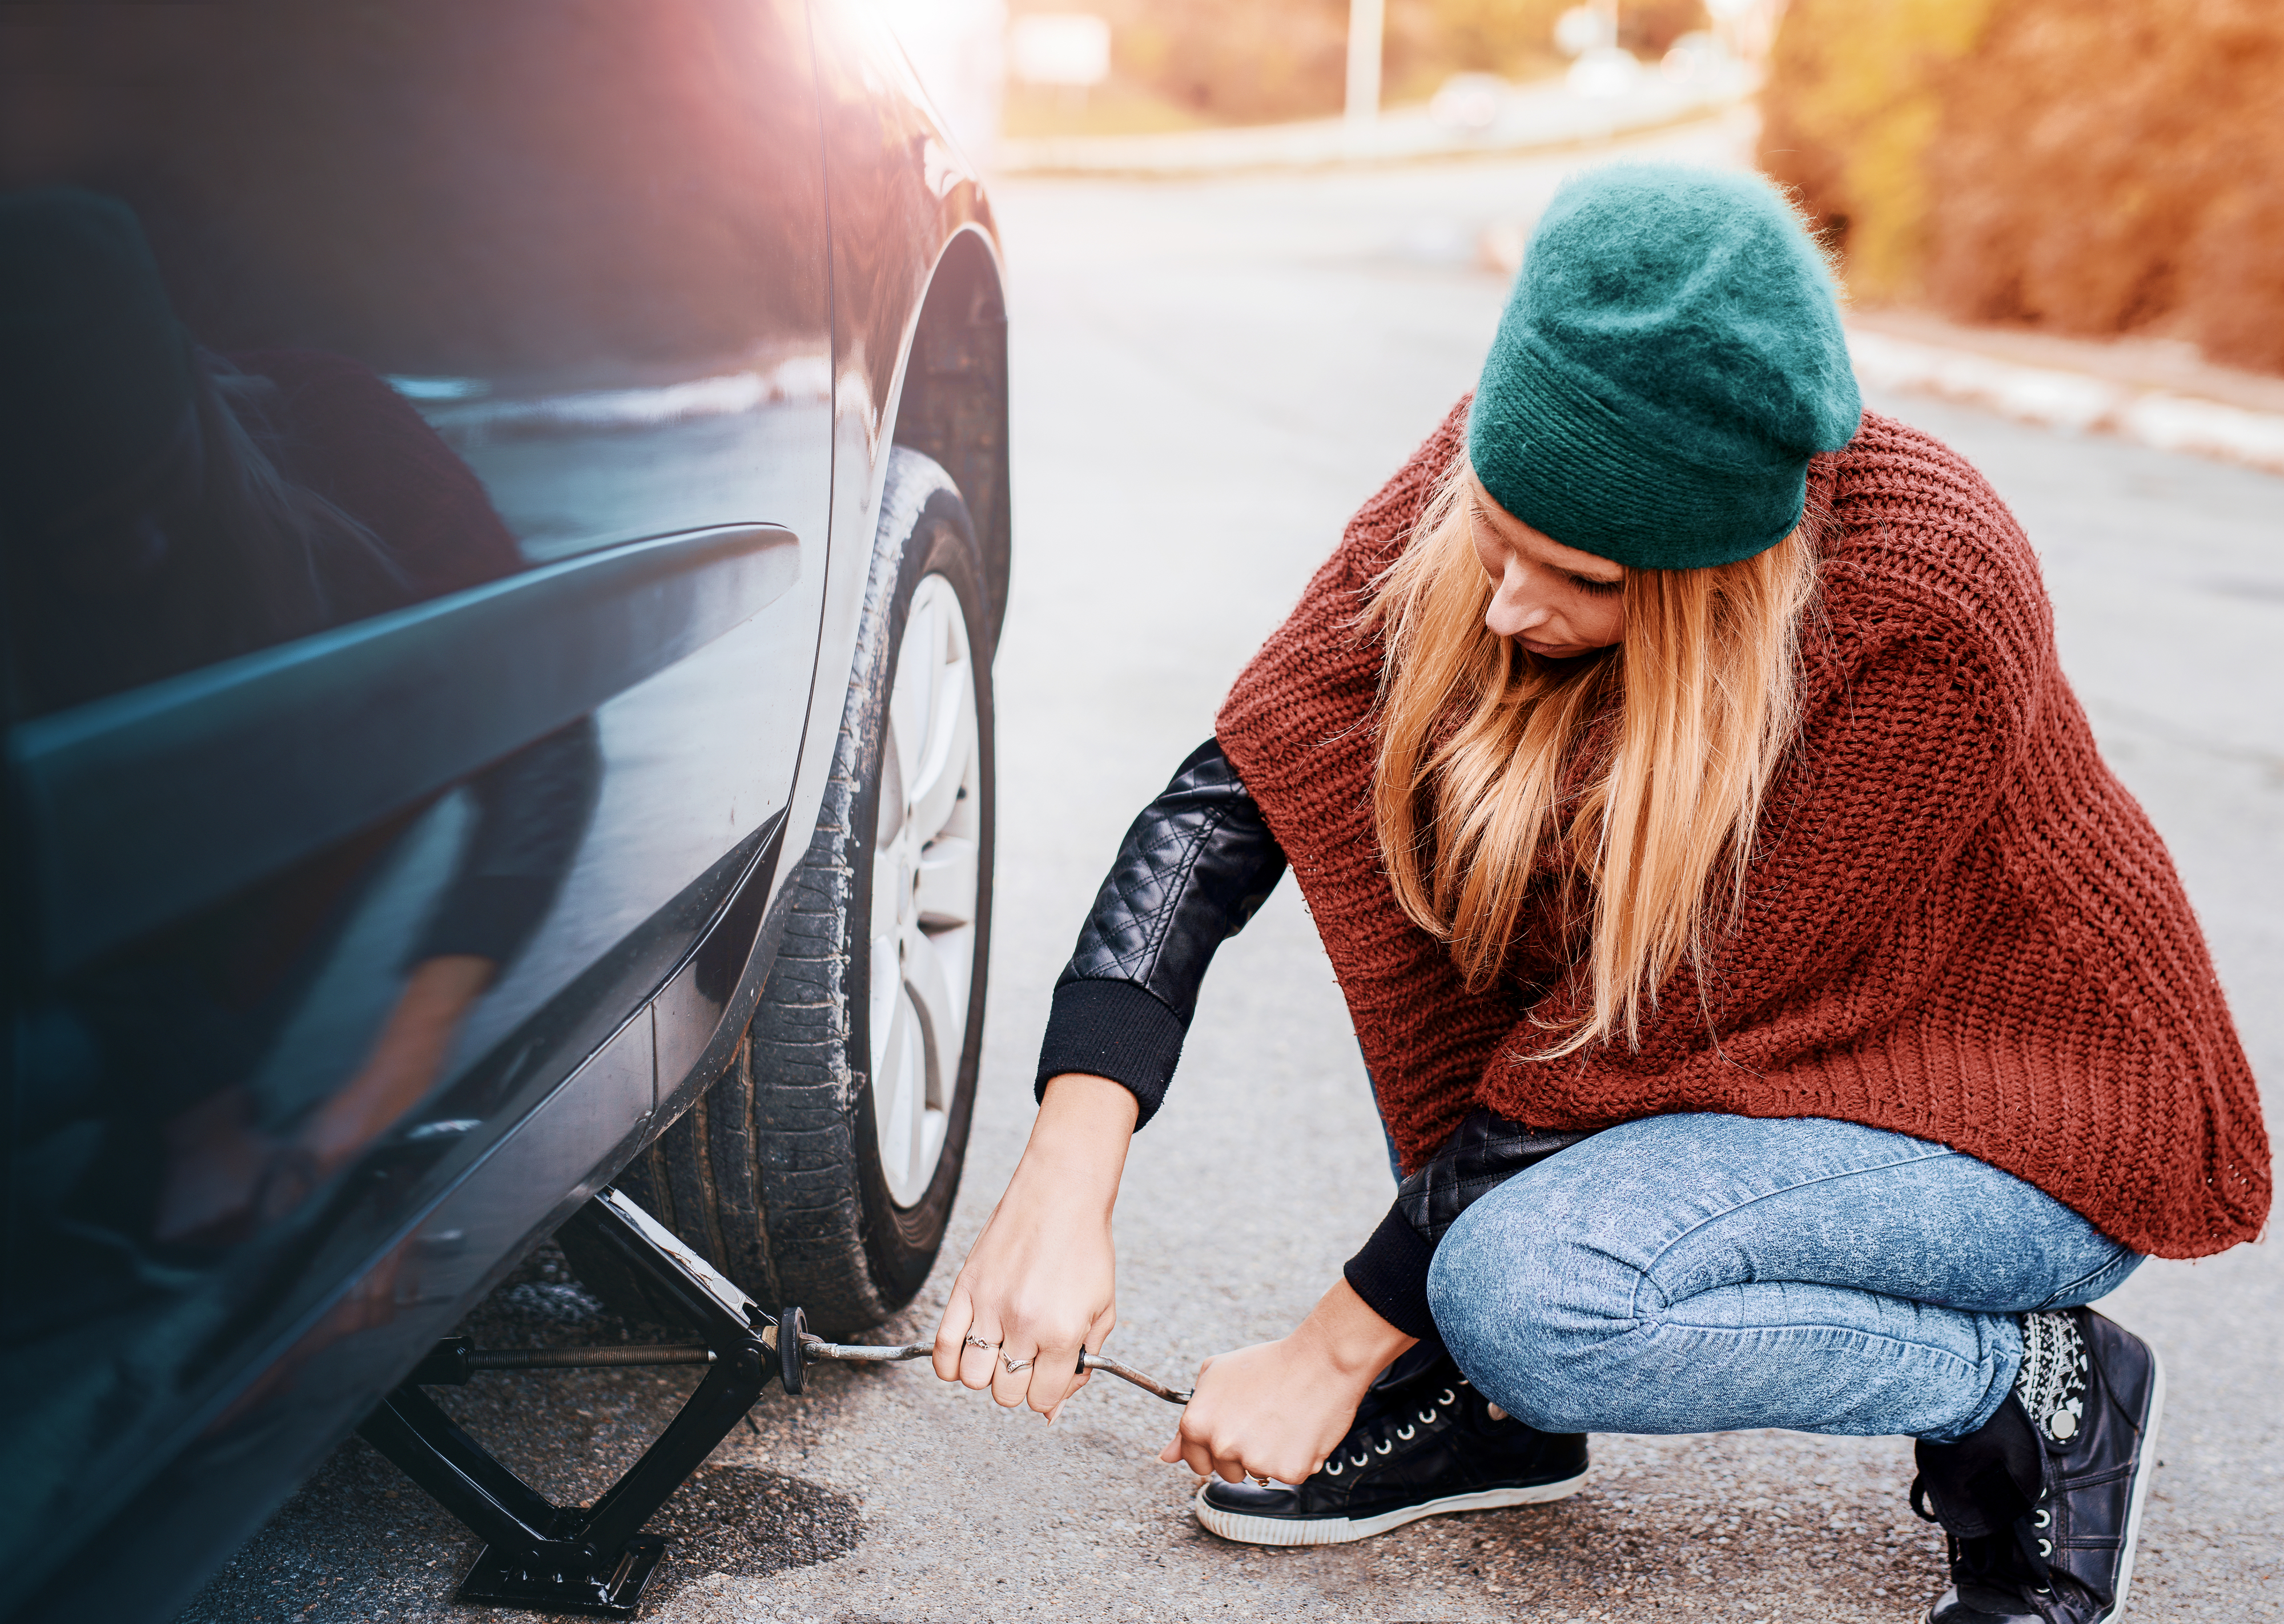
pixel 1209 378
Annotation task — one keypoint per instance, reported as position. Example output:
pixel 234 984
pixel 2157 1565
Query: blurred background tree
pixel 1183 62
pixel 1430 39
pixel 2089 167
pixel 1175 63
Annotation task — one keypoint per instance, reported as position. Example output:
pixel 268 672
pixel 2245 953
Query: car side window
pixel 574 237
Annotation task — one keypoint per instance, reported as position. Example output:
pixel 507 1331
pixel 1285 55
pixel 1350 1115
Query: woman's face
pixel 1554 600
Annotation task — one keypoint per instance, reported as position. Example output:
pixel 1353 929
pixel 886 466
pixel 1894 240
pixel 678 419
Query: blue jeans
pixel 1704 1274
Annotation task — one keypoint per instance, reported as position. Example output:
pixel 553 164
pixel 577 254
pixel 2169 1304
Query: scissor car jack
pixel 596 1559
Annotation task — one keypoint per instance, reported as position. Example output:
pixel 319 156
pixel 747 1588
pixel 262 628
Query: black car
pixel 503 530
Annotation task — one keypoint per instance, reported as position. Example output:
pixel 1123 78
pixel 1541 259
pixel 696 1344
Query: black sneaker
pixel 1422 1445
pixel 2043 1503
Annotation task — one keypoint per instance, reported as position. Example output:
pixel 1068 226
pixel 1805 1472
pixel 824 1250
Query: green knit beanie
pixel 1668 361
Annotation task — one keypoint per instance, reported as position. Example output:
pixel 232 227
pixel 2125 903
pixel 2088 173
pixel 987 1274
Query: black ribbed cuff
pixel 1113 1029
pixel 1392 1274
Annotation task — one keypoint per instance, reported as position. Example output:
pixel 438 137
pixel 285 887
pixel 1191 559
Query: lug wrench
pixel 813 1346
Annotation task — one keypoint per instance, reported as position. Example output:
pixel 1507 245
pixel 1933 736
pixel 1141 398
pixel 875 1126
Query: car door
pixel 414 549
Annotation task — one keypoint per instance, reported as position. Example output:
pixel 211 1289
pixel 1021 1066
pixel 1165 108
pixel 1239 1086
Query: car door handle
pixel 143 806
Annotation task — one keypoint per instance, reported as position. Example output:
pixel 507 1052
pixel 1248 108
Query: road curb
pixel 1548 121
pixel 2077 402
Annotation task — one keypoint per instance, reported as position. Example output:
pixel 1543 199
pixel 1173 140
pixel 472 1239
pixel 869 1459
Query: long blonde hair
pixel 1642 769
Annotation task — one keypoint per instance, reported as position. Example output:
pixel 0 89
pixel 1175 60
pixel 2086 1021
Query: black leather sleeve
pixel 1194 868
pixel 1484 1152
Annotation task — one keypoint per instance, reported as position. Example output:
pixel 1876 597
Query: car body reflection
pixel 426 433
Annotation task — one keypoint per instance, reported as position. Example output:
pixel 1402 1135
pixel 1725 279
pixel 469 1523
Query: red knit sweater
pixel 1958 924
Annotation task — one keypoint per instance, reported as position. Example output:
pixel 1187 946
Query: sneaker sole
pixel 1340 1530
pixel 2142 1478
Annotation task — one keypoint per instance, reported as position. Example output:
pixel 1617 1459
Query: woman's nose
pixel 1514 606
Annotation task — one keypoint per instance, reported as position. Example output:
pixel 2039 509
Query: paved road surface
pixel 1209 378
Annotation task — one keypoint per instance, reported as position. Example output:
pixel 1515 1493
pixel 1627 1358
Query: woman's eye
pixel 1598 589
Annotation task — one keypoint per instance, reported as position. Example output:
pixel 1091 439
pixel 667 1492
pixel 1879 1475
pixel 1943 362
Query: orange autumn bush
pixel 2089 167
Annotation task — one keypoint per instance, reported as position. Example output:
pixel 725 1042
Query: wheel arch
pixel 951 399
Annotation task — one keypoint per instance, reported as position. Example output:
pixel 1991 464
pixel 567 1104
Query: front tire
pixel 820 1170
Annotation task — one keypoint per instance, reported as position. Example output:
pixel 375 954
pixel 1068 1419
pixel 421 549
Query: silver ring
pixel 976 1342
pixel 1016 1367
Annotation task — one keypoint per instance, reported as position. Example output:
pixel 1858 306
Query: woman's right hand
pixel 1041 1280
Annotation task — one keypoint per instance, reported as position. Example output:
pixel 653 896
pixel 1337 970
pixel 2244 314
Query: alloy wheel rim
pixel 925 889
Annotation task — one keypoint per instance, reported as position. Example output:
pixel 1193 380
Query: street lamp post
pixel 1367 19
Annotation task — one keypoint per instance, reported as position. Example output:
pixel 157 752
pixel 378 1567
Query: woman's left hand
pixel 1276 1409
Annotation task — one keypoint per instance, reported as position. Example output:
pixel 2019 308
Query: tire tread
pixel 762 1175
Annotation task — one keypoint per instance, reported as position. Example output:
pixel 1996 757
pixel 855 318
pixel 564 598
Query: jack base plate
pixel 501 1579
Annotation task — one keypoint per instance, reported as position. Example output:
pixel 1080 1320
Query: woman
pixel 1785 1018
